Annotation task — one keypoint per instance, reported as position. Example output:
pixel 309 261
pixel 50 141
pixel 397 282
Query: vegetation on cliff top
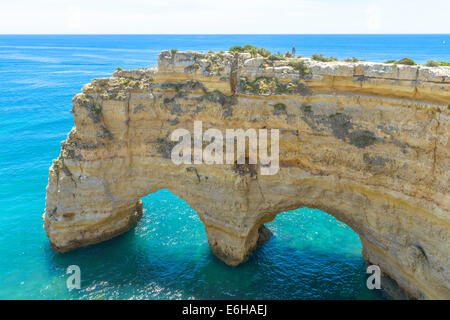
pixel 255 51
pixel 252 50
pixel 434 63
pixel 322 58
pixel 405 61
pixel 300 66
pixel 352 60
pixel 96 109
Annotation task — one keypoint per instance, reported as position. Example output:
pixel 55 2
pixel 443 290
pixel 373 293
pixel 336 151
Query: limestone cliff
pixel 365 142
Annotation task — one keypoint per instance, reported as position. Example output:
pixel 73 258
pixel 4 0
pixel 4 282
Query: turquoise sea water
pixel 166 256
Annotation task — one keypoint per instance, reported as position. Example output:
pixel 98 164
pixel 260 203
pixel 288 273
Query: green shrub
pixel 277 56
pixel 192 68
pixel 351 60
pixel 173 51
pixel 125 81
pixel 322 58
pixel 306 108
pixel 218 96
pixel 263 52
pixel 237 49
pixel 252 50
pixel 432 63
pixel 300 66
pixel 288 54
pixel 363 140
pixel 96 109
pixel 335 114
pixel 280 107
pixel 261 85
pixel 177 86
pixel 406 61
pixel 271 85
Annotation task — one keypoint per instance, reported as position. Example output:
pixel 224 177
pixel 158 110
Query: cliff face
pixel 365 142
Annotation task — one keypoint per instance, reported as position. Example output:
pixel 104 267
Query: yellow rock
pixel 365 142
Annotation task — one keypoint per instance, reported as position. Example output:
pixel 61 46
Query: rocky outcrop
pixel 365 142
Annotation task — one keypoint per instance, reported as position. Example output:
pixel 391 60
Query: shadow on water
pixel 166 256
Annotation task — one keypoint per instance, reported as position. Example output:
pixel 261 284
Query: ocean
pixel 166 256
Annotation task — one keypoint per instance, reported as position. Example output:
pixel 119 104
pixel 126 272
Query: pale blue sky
pixel 226 16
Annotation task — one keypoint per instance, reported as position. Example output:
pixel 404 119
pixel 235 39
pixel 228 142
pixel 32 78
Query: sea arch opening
pixel 322 254
pixel 311 255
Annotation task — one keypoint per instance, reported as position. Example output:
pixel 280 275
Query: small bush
pixel 279 107
pixel 172 85
pixel 288 54
pixel 322 58
pixel 173 51
pixel 271 85
pixel 192 68
pixel 125 81
pixel 218 96
pixel 237 49
pixel 363 140
pixel 404 61
pixel 352 60
pixel 300 66
pixel 261 85
pixel 306 108
pixel 96 109
pixel 432 63
pixel 274 57
pixel 254 51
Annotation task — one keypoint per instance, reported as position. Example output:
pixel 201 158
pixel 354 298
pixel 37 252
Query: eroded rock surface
pixel 365 142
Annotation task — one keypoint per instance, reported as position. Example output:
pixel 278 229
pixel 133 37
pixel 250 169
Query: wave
pixel 20 56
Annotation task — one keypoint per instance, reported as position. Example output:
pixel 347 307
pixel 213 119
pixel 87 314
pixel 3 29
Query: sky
pixel 223 17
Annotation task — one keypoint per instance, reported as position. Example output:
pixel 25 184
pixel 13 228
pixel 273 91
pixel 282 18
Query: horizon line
pixel 207 34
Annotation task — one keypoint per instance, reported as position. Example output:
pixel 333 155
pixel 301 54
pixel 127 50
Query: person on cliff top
pixel 293 50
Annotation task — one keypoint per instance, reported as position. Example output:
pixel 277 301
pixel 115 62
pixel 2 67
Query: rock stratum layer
pixel 365 142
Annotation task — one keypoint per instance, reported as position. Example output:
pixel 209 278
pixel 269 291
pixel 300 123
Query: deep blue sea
pixel 166 256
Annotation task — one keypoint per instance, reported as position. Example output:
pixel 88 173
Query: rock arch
pixel 369 150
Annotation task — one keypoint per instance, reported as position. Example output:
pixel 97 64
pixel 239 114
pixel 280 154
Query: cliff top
pixel 254 74
pixel 213 63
